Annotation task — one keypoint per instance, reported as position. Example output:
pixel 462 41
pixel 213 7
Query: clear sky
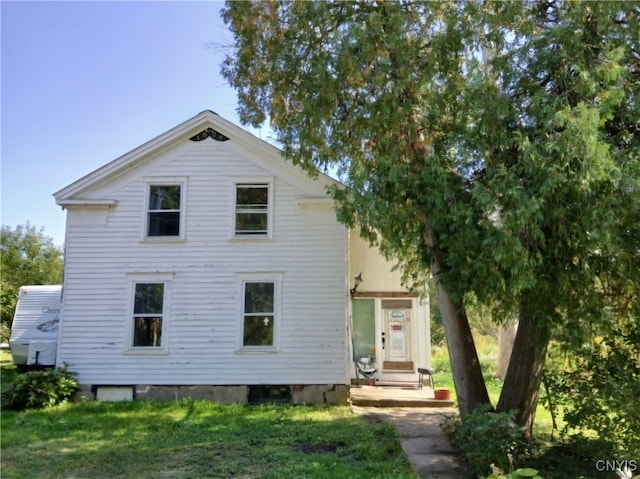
pixel 83 83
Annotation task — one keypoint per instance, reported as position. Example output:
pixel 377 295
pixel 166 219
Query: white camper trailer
pixel 34 332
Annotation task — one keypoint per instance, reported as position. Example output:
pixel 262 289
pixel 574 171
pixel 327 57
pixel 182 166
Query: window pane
pixel 164 197
pixel 149 298
pixel 258 330
pixel 252 195
pixel 164 224
pixel 251 223
pixel 258 297
pixel 147 331
pixel 252 205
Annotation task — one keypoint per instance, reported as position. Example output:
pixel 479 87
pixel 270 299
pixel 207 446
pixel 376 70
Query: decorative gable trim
pixel 209 133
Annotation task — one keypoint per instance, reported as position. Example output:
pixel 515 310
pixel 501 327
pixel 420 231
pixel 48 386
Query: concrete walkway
pixel 422 439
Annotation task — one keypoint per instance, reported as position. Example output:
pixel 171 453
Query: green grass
pixel 197 439
pixel 194 439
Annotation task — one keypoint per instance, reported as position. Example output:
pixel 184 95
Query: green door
pixel 364 327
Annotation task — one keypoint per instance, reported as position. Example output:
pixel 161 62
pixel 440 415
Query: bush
pixel 487 440
pixel 39 389
pixel 517 474
pixel 597 391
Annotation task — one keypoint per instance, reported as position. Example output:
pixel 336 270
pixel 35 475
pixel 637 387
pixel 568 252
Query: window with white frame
pixel 259 313
pixel 252 209
pixel 164 210
pixel 148 315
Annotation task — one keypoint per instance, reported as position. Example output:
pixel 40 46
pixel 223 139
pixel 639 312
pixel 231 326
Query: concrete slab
pixel 427 445
pixel 384 396
pixel 439 466
pixel 422 439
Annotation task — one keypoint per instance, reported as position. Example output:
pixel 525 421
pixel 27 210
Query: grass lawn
pixel 195 439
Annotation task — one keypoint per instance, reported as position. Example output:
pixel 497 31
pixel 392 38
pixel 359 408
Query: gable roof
pixel 201 126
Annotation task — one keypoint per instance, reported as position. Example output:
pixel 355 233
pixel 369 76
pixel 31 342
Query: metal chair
pixel 425 371
pixel 366 367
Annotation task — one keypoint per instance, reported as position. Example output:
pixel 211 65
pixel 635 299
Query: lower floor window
pixel 258 314
pixel 148 314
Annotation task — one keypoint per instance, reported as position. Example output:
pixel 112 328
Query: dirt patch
pixel 317 448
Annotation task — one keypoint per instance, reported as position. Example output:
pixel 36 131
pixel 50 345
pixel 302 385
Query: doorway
pixel 386 335
pixel 397 335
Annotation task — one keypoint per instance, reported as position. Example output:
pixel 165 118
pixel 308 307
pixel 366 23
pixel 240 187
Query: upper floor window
pixel 252 209
pixel 163 213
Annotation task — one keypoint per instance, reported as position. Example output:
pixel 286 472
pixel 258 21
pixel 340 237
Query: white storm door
pixel 397 326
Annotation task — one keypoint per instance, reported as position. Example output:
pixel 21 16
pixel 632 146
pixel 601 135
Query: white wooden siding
pixel 104 244
pixel 377 274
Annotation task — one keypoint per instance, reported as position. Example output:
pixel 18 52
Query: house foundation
pixel 335 394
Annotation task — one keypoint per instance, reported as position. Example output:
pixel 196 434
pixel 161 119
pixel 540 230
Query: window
pixel 252 210
pixel 148 315
pixel 163 213
pixel 259 314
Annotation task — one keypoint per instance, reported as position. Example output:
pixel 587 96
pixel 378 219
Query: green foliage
pixel 487 438
pixel 501 142
pixel 597 388
pixel 28 257
pixel 498 140
pixel 39 389
pixel 518 473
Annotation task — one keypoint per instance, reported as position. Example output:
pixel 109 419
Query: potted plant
pixel 442 394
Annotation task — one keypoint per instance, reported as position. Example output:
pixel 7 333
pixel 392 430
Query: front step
pixel 390 402
pixel 398 384
pixel 394 396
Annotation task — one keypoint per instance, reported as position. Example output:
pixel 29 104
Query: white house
pixel 202 264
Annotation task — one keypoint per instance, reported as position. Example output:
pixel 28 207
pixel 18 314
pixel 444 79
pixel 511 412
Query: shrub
pixel 597 391
pixel 517 474
pixel 40 388
pixel 487 439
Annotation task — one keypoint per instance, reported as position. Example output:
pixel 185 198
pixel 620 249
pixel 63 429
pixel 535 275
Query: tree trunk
pixel 520 391
pixel 465 366
pixel 506 337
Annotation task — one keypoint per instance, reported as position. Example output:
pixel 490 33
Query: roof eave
pixel 70 193
pixel 120 164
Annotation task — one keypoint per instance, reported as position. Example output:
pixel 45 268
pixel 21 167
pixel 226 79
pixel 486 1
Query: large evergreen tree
pixel 493 145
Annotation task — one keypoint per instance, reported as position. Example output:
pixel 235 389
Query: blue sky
pixel 83 83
